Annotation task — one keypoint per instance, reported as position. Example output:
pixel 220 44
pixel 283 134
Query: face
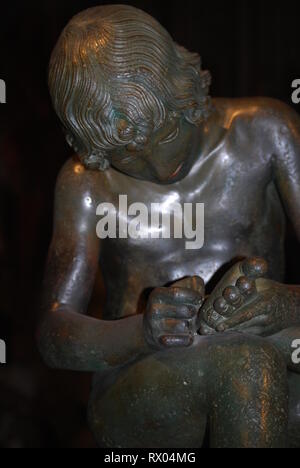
pixel 166 158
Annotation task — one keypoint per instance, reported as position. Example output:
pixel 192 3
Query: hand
pixel 245 301
pixel 171 316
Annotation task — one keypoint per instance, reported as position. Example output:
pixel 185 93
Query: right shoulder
pixel 75 181
pixel 78 193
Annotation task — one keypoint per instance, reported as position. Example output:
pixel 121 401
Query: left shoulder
pixel 262 110
pixel 263 117
pixel 273 110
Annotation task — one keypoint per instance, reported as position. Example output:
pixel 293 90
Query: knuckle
pixel 153 298
pixel 154 312
pixel 177 292
pixel 190 311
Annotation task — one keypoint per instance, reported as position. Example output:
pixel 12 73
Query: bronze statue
pixel 135 108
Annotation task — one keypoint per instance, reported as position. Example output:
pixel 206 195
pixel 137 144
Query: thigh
pixel 294 413
pixel 158 402
pixel 164 399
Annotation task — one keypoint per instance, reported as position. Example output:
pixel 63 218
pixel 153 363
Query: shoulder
pixel 74 176
pixel 78 193
pixel 75 181
pixel 265 115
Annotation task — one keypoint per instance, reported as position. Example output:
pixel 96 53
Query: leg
pixel 164 400
pixel 283 341
pixel 158 402
pixel 239 287
pixel 294 411
pixel 250 409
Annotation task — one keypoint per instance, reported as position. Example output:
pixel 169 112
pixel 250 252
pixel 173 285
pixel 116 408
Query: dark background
pixel 251 48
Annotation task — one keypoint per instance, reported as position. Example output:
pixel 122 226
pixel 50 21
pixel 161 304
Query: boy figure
pixel 135 108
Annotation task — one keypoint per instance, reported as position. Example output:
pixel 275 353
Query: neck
pixel 211 134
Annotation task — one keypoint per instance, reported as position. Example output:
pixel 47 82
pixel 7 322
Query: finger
pixel 175 327
pixel 244 315
pixel 165 311
pixel 254 267
pixel 176 296
pixel 192 282
pixel 176 341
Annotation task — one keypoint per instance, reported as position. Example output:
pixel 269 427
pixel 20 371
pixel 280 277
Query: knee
pixel 261 351
pixel 254 355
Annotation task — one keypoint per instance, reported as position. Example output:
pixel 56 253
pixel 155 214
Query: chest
pixel 218 196
pixel 216 214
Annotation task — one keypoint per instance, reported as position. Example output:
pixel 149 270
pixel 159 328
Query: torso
pixel 243 217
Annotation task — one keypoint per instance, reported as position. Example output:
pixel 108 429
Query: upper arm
pixel 74 250
pixel 285 136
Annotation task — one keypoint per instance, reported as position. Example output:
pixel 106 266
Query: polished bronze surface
pixel 169 364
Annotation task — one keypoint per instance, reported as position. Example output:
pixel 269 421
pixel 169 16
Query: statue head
pixel 122 87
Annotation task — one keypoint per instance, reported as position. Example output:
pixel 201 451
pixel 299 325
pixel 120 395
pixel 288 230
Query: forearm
pixel 71 341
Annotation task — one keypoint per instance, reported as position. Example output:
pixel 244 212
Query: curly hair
pixel 116 75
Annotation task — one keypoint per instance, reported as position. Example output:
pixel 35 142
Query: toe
pixel 233 296
pixel 255 267
pixel 204 329
pixel 246 286
pixel 221 306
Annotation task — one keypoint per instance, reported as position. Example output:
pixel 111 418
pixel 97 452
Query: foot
pixel 239 288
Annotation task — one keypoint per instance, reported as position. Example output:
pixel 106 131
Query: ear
pixel 96 161
pixel 71 141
